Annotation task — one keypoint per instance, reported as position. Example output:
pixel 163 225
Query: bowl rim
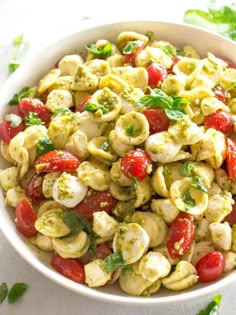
pixel 19 244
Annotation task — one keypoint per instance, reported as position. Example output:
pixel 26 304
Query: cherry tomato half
pixel 25 217
pixel 210 267
pixel 101 252
pixel 34 188
pixel 181 236
pixel 221 121
pixel 157 119
pixel 7 131
pixel 221 94
pixel 231 158
pixel 34 105
pixel 156 73
pixel 79 108
pixel 136 163
pixel 130 58
pixel 57 161
pixel 69 267
pixel 97 201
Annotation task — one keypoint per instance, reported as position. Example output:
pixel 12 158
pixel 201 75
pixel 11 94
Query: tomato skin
pixel 211 266
pixel 231 218
pixel 25 217
pixel 69 267
pixel 101 252
pixel 221 94
pixel 79 108
pixel 57 161
pixel 130 58
pixel 157 119
pixel 95 202
pixel 7 132
pixel 34 105
pixel 135 164
pixel 34 188
pixel 182 232
pixel 221 121
pixel 231 158
pixel 156 73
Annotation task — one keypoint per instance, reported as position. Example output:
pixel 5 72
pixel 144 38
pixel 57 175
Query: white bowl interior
pixel 33 70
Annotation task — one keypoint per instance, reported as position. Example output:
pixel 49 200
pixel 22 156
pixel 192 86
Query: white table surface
pixel 42 22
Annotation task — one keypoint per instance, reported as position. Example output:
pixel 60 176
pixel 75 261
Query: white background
pixel 42 22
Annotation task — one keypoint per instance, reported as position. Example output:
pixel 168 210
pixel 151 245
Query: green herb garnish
pixel 113 262
pixel 168 49
pixel 25 92
pixel 3 292
pixel 166 170
pixel 131 47
pixel 91 107
pixel 198 184
pixel 129 129
pixel 60 111
pixel 172 105
pixel 213 307
pixel 102 52
pixel 188 201
pixel 186 168
pixel 14 119
pixel 135 182
pixel 14 63
pixel 44 145
pixel 16 292
pixel 33 119
pixel 105 146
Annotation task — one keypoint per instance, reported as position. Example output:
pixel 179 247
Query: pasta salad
pixel 122 164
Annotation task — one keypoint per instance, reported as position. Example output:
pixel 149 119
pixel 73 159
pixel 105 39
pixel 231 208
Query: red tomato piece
pixel 130 58
pixel 25 217
pixel 34 105
pixel 101 252
pixel 34 188
pixel 57 161
pixel 97 201
pixel 136 163
pixel 210 267
pixel 231 158
pixel 7 131
pixel 79 108
pixel 231 218
pixel 156 73
pixel 175 60
pixel 157 119
pixel 221 94
pixel 181 236
pixel 221 121
pixel 69 267
pixel 44 97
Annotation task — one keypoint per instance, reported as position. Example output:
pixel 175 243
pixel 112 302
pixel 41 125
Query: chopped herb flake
pixel 188 201
pixel 186 168
pixel 198 184
pixel 44 145
pixel 113 262
pixel 25 92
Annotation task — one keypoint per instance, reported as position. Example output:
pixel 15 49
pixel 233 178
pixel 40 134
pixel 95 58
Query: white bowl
pixel 40 64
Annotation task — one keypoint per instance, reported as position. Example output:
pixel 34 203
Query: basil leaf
pixel 44 145
pixel 127 270
pixel 131 47
pixel 60 111
pixel 14 119
pixel 25 92
pixel 91 107
pixel 129 129
pixel 33 119
pixel 76 222
pixel 188 201
pixel 198 184
pixel 213 307
pixel 105 146
pixel 180 52
pixel 168 49
pixel 173 114
pixel 113 262
pixel 103 52
pixel 13 66
pixel 186 168
pixel 16 292
pixel 3 292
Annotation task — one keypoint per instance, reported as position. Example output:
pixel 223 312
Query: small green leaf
pixel 13 66
pixel 113 262
pixel 168 49
pixel 180 52
pixel 213 307
pixel 14 119
pixel 135 182
pixel 129 129
pixel 44 145
pixel 25 92
pixel 198 184
pixel 103 52
pixel 33 119
pixel 186 168
pixel 18 40
pixel 188 201
pixel 16 292
pixel 127 270
pixel 76 222
pixel 3 292
pixel 105 146
pixel 131 47
pixel 60 111
pixel 174 114
pixel 90 107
